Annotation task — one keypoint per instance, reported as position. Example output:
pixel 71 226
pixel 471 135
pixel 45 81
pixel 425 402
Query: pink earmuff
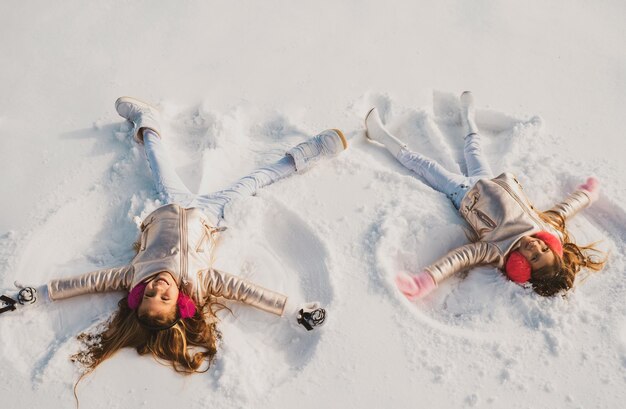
pixel 135 295
pixel 186 306
pixel 518 268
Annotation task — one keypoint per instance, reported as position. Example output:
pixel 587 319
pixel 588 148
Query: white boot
pixel 375 131
pixel 304 316
pixel 311 315
pixel 468 113
pixel 141 114
pixel 326 144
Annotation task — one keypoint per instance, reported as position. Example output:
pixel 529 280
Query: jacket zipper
pixel 519 201
pixel 482 216
pixel 485 219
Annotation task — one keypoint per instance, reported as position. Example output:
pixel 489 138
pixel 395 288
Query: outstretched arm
pixel 464 258
pixel 110 279
pixel 231 287
pixel 583 197
pixel 460 259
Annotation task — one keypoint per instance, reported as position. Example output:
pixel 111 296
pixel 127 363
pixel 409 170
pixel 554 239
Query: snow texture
pixel 239 83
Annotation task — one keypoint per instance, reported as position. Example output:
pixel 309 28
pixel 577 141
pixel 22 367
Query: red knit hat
pixel 186 306
pixel 551 241
pixel 518 268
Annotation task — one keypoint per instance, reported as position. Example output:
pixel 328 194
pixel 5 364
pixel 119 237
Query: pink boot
pixel 415 286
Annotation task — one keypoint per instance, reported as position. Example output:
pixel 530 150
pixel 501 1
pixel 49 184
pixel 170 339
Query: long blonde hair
pixel 552 279
pixel 172 345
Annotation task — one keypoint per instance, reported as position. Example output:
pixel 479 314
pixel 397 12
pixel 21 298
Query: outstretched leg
pixel 168 184
pixel 215 203
pixel 146 130
pixel 326 144
pixel 436 176
pixel 477 165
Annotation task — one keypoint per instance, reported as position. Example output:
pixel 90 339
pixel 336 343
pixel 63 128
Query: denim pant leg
pixel 477 164
pixel 215 203
pixel 168 184
pixel 436 176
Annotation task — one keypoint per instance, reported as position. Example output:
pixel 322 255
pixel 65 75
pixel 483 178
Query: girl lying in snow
pixel 169 309
pixel 508 232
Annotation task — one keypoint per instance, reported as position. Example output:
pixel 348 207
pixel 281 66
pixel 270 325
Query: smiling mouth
pixel 161 280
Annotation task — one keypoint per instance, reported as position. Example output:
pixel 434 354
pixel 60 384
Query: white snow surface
pixel 238 83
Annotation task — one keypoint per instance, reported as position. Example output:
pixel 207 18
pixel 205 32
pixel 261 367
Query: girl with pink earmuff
pixel 172 289
pixel 529 246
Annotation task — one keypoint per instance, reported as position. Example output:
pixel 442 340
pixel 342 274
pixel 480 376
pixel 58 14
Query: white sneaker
pixel 141 114
pixel 468 113
pixel 329 143
pixel 375 131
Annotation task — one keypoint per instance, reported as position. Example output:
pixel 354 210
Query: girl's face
pixel 160 296
pixel 536 252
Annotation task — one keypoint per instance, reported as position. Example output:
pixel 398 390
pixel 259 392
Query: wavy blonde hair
pixel 560 276
pixel 174 345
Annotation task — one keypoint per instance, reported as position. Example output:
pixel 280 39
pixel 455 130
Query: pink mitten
pixel 592 186
pixel 415 286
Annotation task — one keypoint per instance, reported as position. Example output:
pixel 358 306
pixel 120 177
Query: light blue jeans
pixel 451 184
pixel 172 189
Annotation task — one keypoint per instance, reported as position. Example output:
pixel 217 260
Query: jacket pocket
pixel 144 239
pixel 146 223
pixel 475 198
pixel 486 220
pixel 145 227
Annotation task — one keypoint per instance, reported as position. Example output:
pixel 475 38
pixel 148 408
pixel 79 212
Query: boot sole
pixel 131 100
pixel 138 136
pixel 344 141
pixel 467 99
pixel 367 135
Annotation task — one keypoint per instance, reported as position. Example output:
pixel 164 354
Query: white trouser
pixel 451 184
pixel 172 189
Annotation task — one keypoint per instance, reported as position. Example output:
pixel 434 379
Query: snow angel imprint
pixel 172 292
pixel 529 246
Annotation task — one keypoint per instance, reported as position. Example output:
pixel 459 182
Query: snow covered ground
pixel 238 83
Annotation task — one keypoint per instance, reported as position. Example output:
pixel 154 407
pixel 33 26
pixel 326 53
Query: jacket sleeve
pixel 464 258
pixel 572 204
pixel 231 287
pixel 110 279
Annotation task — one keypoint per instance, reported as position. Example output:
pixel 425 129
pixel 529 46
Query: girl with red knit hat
pixel 507 232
